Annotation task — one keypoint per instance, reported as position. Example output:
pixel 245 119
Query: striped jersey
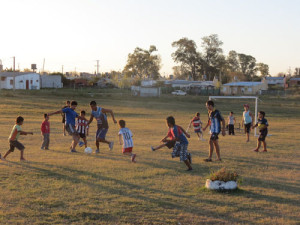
pixel 127 137
pixel 196 123
pixel 214 118
pixel 81 126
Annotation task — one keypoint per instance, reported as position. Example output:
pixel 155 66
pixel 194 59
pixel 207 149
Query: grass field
pixel 58 187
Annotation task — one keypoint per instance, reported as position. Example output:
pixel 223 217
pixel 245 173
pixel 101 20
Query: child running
pixel 125 136
pixel 214 119
pixel 262 125
pixel 100 115
pixel 231 122
pixel 14 136
pixel 45 131
pixel 180 149
pixel 197 124
pixel 70 123
pixel 82 128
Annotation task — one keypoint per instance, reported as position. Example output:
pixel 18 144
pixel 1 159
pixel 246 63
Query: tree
pixel 143 63
pixel 188 57
pixel 247 64
pixel 233 61
pixel 263 69
pixel 212 57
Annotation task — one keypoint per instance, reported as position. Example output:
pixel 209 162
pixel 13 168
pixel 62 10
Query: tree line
pixel 196 63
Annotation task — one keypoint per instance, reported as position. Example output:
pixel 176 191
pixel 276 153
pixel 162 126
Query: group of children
pixel 176 136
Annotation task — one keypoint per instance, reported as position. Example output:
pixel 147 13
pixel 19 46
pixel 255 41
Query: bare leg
pixel 187 163
pixel 85 142
pixel 159 147
pixel 22 155
pixel 64 129
pixel 248 139
pixel 75 141
pixel 97 144
pixel 258 146
pixel 6 154
pixel 265 145
pixel 103 141
pixel 217 147
pixel 211 148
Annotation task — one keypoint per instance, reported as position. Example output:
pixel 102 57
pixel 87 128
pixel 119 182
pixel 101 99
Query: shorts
pixel 180 150
pixel 198 131
pixel 71 129
pixel 82 135
pixel 263 134
pixel 214 136
pixel 101 133
pixel 15 144
pixel 170 144
pixel 127 150
pixel 247 127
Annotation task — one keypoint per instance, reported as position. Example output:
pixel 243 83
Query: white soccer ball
pixel 88 150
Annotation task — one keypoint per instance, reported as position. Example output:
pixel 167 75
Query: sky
pixel 72 34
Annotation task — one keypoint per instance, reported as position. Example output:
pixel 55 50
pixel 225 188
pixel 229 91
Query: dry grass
pixel 57 187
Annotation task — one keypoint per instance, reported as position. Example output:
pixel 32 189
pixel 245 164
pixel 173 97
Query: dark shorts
pixel 198 131
pixel 82 135
pixel 71 129
pixel 170 144
pixel 214 137
pixel 263 134
pixel 247 127
pixel 101 133
pixel 15 144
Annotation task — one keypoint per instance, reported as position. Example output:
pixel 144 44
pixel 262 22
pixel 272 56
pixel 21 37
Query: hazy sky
pixel 76 33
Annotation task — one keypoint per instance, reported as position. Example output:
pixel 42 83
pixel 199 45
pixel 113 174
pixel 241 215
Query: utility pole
pixel 62 69
pixel 44 66
pixel 14 63
pixel 98 66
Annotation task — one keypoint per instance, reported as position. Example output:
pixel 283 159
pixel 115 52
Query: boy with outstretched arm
pixel 70 123
pixel 125 139
pixel 14 136
pixel 214 121
pixel 262 125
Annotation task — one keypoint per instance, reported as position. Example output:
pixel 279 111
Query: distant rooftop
pixel 295 78
pixel 249 83
pixel 14 74
pixel 275 78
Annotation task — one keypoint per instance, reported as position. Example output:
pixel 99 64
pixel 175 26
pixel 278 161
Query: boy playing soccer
pixel 125 135
pixel 100 115
pixel 247 121
pixel 82 128
pixel 64 117
pixel 262 125
pixel 180 149
pixel 197 124
pixel 45 131
pixel 14 136
pixel 70 123
pixel 231 121
pixel 214 119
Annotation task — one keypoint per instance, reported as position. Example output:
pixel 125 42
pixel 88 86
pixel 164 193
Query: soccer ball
pixel 88 150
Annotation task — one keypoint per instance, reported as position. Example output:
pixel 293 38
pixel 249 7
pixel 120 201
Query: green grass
pixel 57 187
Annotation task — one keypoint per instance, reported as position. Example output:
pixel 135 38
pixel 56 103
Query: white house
pixel 276 81
pixel 51 81
pixel 146 91
pixel 20 80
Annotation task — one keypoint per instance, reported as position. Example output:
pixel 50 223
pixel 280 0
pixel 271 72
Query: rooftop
pixel 248 83
pixel 14 74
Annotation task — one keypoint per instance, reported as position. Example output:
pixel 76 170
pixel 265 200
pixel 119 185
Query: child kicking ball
pixel 125 139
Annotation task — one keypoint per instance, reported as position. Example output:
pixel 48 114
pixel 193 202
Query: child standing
pixel 181 148
pixel 197 124
pixel 231 122
pixel 247 121
pixel 68 103
pixel 125 136
pixel 45 130
pixel 70 123
pixel 14 136
pixel 262 125
pixel 82 128
pixel 214 121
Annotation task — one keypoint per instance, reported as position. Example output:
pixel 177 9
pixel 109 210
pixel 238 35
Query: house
pixel 148 83
pixel 20 80
pixel 276 81
pixel 51 81
pixel 295 81
pixel 145 91
pixel 244 88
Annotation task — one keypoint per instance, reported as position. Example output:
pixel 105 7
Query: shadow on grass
pixel 123 188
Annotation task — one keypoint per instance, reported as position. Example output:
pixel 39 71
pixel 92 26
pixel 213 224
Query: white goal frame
pixel 240 97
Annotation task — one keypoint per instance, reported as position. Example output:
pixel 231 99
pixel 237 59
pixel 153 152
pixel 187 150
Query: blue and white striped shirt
pixel 215 118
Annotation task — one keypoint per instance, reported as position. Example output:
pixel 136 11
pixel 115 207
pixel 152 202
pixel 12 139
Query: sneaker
pixel 111 145
pixel 207 160
pixel 133 158
pixel 152 148
pixel 190 158
pixel 97 151
pixel 73 150
pixel 81 144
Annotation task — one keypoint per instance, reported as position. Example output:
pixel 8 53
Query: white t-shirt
pixel 127 137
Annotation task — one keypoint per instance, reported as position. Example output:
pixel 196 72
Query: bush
pixel 224 175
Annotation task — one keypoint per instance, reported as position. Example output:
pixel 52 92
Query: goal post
pixel 240 97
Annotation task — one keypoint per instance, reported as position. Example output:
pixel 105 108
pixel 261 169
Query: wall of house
pixel 20 82
pixel 52 81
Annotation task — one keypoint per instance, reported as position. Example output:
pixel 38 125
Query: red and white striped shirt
pixel 82 126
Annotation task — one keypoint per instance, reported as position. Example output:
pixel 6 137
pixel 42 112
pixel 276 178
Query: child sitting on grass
pixel 262 125
pixel 14 136
pixel 125 136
